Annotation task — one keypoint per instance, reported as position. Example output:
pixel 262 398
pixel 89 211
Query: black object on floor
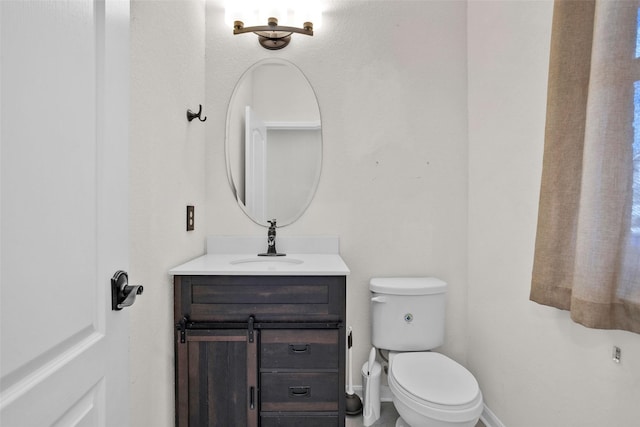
pixel 354 404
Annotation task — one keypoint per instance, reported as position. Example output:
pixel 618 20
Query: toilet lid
pixel 435 378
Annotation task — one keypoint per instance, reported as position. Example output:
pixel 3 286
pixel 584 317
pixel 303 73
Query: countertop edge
pixel 220 265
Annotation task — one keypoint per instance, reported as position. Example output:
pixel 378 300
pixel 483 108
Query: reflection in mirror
pixel 274 142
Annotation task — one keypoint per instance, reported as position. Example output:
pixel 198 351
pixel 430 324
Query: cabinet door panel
pixel 219 385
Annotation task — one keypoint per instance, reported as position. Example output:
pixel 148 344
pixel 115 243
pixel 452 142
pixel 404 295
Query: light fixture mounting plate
pixel 273 43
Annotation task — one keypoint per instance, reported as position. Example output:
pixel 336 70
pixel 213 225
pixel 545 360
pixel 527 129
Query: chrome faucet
pixel 271 241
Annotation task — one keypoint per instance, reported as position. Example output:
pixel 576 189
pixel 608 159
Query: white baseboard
pixel 357 389
pixel 487 417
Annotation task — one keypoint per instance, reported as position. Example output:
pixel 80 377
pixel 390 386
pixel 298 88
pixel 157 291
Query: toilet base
pixel 417 420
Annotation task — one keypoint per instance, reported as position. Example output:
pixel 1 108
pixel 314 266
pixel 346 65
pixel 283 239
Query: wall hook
pixel 191 115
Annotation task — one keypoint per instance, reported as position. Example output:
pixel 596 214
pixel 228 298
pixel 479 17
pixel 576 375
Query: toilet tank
pixel 407 313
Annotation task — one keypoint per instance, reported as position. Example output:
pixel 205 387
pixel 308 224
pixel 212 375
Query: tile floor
pixel 388 416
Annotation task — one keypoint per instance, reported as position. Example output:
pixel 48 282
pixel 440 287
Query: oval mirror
pixel 274 142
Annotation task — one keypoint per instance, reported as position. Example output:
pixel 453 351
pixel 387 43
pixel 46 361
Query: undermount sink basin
pixel 267 260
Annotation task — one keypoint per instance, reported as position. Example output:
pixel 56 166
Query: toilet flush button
pixel 408 317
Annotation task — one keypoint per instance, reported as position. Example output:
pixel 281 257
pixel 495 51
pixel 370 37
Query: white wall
pixel 390 78
pixel 535 366
pixel 167 174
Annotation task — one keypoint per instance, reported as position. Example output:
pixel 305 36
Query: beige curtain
pixel 587 259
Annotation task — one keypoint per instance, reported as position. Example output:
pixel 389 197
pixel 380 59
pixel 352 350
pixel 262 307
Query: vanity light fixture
pixel 272 36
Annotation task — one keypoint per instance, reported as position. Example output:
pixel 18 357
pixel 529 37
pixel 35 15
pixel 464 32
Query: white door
pixel 64 133
pixel 255 167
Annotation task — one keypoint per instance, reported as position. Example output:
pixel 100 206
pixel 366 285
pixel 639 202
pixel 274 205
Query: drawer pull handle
pixel 299 348
pixel 301 391
pixel 252 398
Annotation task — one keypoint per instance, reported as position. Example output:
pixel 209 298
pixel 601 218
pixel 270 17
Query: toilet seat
pixel 434 378
pixel 434 385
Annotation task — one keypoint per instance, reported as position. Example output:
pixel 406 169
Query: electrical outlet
pixel 191 218
pixel 617 354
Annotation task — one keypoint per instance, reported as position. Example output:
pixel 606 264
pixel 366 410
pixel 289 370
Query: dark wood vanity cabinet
pixel 260 351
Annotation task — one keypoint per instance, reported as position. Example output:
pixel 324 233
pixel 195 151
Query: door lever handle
pixel 123 295
pixel 130 293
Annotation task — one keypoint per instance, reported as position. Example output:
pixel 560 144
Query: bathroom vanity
pixel 261 340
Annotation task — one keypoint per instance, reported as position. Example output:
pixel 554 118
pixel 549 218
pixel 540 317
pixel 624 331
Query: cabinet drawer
pixel 280 420
pixel 299 349
pixel 308 391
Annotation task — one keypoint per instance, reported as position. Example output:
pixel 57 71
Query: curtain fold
pixel 587 260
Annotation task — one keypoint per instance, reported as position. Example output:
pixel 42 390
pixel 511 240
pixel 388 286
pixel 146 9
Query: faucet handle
pixel 271 241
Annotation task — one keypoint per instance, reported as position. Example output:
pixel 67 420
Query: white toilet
pixel 429 389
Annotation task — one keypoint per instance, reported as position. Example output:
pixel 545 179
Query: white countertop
pixel 237 255
pixel 253 265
